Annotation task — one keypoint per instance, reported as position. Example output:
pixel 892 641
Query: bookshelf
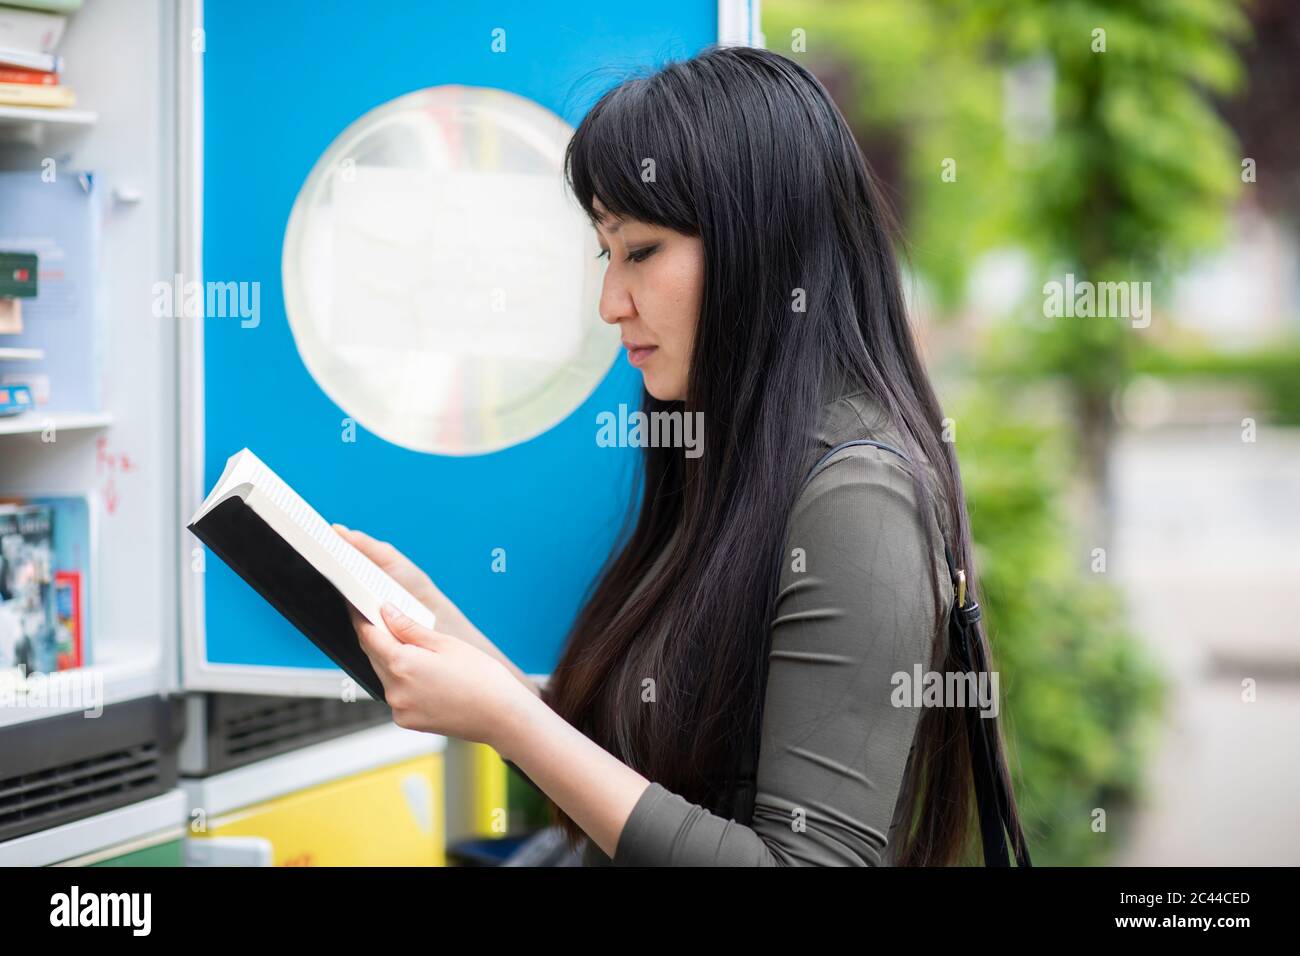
pixel 36 116
pixel 120 58
pixel 35 423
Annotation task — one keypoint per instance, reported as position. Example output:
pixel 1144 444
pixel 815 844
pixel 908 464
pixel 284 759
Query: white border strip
pixel 96 833
pixel 738 23
pixel 189 258
pixel 326 762
pixel 131 846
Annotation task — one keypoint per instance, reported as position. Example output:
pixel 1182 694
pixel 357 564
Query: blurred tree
pixel 907 77
pixel 1136 172
pixel 1082 131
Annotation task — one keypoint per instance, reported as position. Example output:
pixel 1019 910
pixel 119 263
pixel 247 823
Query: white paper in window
pixel 441 283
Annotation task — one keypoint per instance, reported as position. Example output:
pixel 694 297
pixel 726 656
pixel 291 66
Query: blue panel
pixel 281 80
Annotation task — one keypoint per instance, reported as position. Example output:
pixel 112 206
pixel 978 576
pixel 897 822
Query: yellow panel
pixel 490 801
pixel 392 816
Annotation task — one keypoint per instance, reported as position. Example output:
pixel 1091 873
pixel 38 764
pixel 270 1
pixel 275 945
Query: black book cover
pixel 306 598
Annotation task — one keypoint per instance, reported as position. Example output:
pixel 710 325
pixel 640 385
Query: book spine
pixel 16 74
pixel 25 94
pixel 31 30
pixel 70 618
pixel 49 62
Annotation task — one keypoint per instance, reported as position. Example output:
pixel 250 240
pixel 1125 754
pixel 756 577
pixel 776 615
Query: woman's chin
pixel 658 389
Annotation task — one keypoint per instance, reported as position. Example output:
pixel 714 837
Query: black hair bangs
pixel 634 152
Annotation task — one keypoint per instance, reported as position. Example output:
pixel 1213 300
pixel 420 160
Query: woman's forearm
pixel 595 788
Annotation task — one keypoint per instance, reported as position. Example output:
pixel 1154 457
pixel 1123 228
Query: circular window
pixel 441 283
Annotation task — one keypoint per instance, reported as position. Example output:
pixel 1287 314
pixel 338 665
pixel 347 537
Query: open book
pixel 291 556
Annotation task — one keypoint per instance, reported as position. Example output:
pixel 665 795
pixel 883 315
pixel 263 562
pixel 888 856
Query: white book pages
pixel 361 581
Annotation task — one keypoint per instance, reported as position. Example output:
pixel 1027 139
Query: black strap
pixel 991 795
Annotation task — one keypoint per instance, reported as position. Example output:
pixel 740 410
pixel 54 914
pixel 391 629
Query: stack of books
pixel 30 31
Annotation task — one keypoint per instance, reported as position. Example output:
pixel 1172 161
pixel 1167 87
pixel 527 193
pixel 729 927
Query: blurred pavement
pixel 1208 554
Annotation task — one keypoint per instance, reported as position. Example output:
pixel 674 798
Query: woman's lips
pixel 639 354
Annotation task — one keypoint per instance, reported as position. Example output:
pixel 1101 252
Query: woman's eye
pixel 640 255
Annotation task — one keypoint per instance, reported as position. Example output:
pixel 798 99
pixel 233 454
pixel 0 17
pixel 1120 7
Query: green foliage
pixel 1132 177
pixel 1081 699
pixel 1274 372
pixel 914 77
pixel 1139 169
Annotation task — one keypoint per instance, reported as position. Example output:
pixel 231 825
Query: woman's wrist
pixel 596 789
pixel 524 713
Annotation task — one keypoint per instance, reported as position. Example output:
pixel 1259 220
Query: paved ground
pixel 1208 552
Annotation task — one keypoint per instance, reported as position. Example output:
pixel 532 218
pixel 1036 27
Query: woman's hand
pixel 401 569
pixel 450 619
pixel 437 683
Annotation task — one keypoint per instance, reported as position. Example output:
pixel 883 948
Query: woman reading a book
pixel 729 695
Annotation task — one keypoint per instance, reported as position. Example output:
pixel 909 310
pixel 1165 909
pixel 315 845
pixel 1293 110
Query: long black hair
pixel 745 149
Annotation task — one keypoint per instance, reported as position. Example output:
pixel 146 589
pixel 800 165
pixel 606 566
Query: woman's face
pixel 652 291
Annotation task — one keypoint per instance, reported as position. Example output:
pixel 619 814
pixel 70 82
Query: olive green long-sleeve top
pixel 855 607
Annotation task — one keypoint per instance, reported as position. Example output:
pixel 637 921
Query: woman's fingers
pixel 380 552
pixel 377 643
pixel 408 631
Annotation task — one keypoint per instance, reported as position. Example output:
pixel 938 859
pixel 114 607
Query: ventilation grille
pixel 79 787
pixel 245 728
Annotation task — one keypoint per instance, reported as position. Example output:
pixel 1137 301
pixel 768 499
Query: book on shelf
pixel 18 74
pixel 18 275
pixel 15 398
pixel 45 62
pixel 72 638
pixel 273 539
pixel 26 583
pixel 69 625
pixel 26 588
pixel 36 31
pixel 29 66
pixel 26 94
pixel 17 282
pixel 59 222
pixel 44 562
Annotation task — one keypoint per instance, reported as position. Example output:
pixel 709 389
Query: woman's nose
pixel 615 303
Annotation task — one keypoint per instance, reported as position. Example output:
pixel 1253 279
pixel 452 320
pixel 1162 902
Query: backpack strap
pixel 991 795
